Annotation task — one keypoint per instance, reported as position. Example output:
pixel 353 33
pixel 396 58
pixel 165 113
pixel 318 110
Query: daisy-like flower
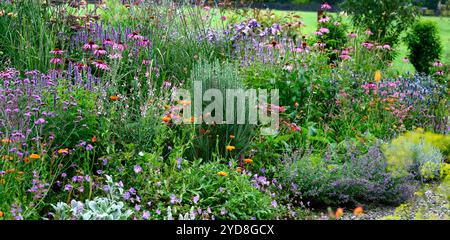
pixel 119 46
pixel 115 56
pixel 438 64
pixel 108 41
pixel 352 35
pixel 367 45
pixel 230 148
pixel 101 65
pixel 57 51
pixel 325 6
pixel 222 174
pixel 55 61
pixel 440 72
pixel 324 19
pixel 90 46
pixel 100 52
pixel 324 30
pixel 144 43
pixel 135 36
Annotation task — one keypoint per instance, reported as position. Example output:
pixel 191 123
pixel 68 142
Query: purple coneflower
pixel 55 61
pixel 101 65
pixel 57 51
pixel 100 52
pixel 90 46
pixel 325 6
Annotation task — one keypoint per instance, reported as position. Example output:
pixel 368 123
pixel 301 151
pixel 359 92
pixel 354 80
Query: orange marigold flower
pixel 239 170
pixel 358 211
pixel 339 213
pixel 377 76
pixel 232 136
pixel 166 119
pixel 94 139
pixel 26 160
pixel 1 214
pixel 248 160
pixel 167 106
pixel 34 156
pixel 230 148
pixel 222 173
pixel 114 98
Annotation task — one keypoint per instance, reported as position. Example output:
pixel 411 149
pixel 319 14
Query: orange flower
pixel 26 160
pixel 94 139
pixel 34 156
pixel 238 169
pixel 166 119
pixel 222 173
pixel 167 107
pixel 63 151
pixel 232 137
pixel 339 213
pixel 10 170
pixel 377 76
pixel 358 211
pixel 248 160
pixel 21 173
pixel 1 214
pixel 114 98
pixel 230 148
pixel 5 140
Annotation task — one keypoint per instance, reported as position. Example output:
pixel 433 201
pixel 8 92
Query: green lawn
pixel 310 19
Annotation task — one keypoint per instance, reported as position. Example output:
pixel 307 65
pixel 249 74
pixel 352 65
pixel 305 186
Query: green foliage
pixel 387 19
pixel 424 45
pixel 213 138
pixel 28 35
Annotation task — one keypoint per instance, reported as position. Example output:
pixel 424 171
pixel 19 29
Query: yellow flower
pixel 34 156
pixel 6 157
pixel 248 160
pixel 230 148
pixel 222 173
pixel 377 76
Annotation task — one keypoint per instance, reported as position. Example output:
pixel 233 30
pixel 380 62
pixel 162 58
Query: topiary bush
pixel 424 45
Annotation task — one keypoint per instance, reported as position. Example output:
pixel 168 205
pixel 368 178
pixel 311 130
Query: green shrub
pixel 424 45
pixel 387 19
pixel 416 153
